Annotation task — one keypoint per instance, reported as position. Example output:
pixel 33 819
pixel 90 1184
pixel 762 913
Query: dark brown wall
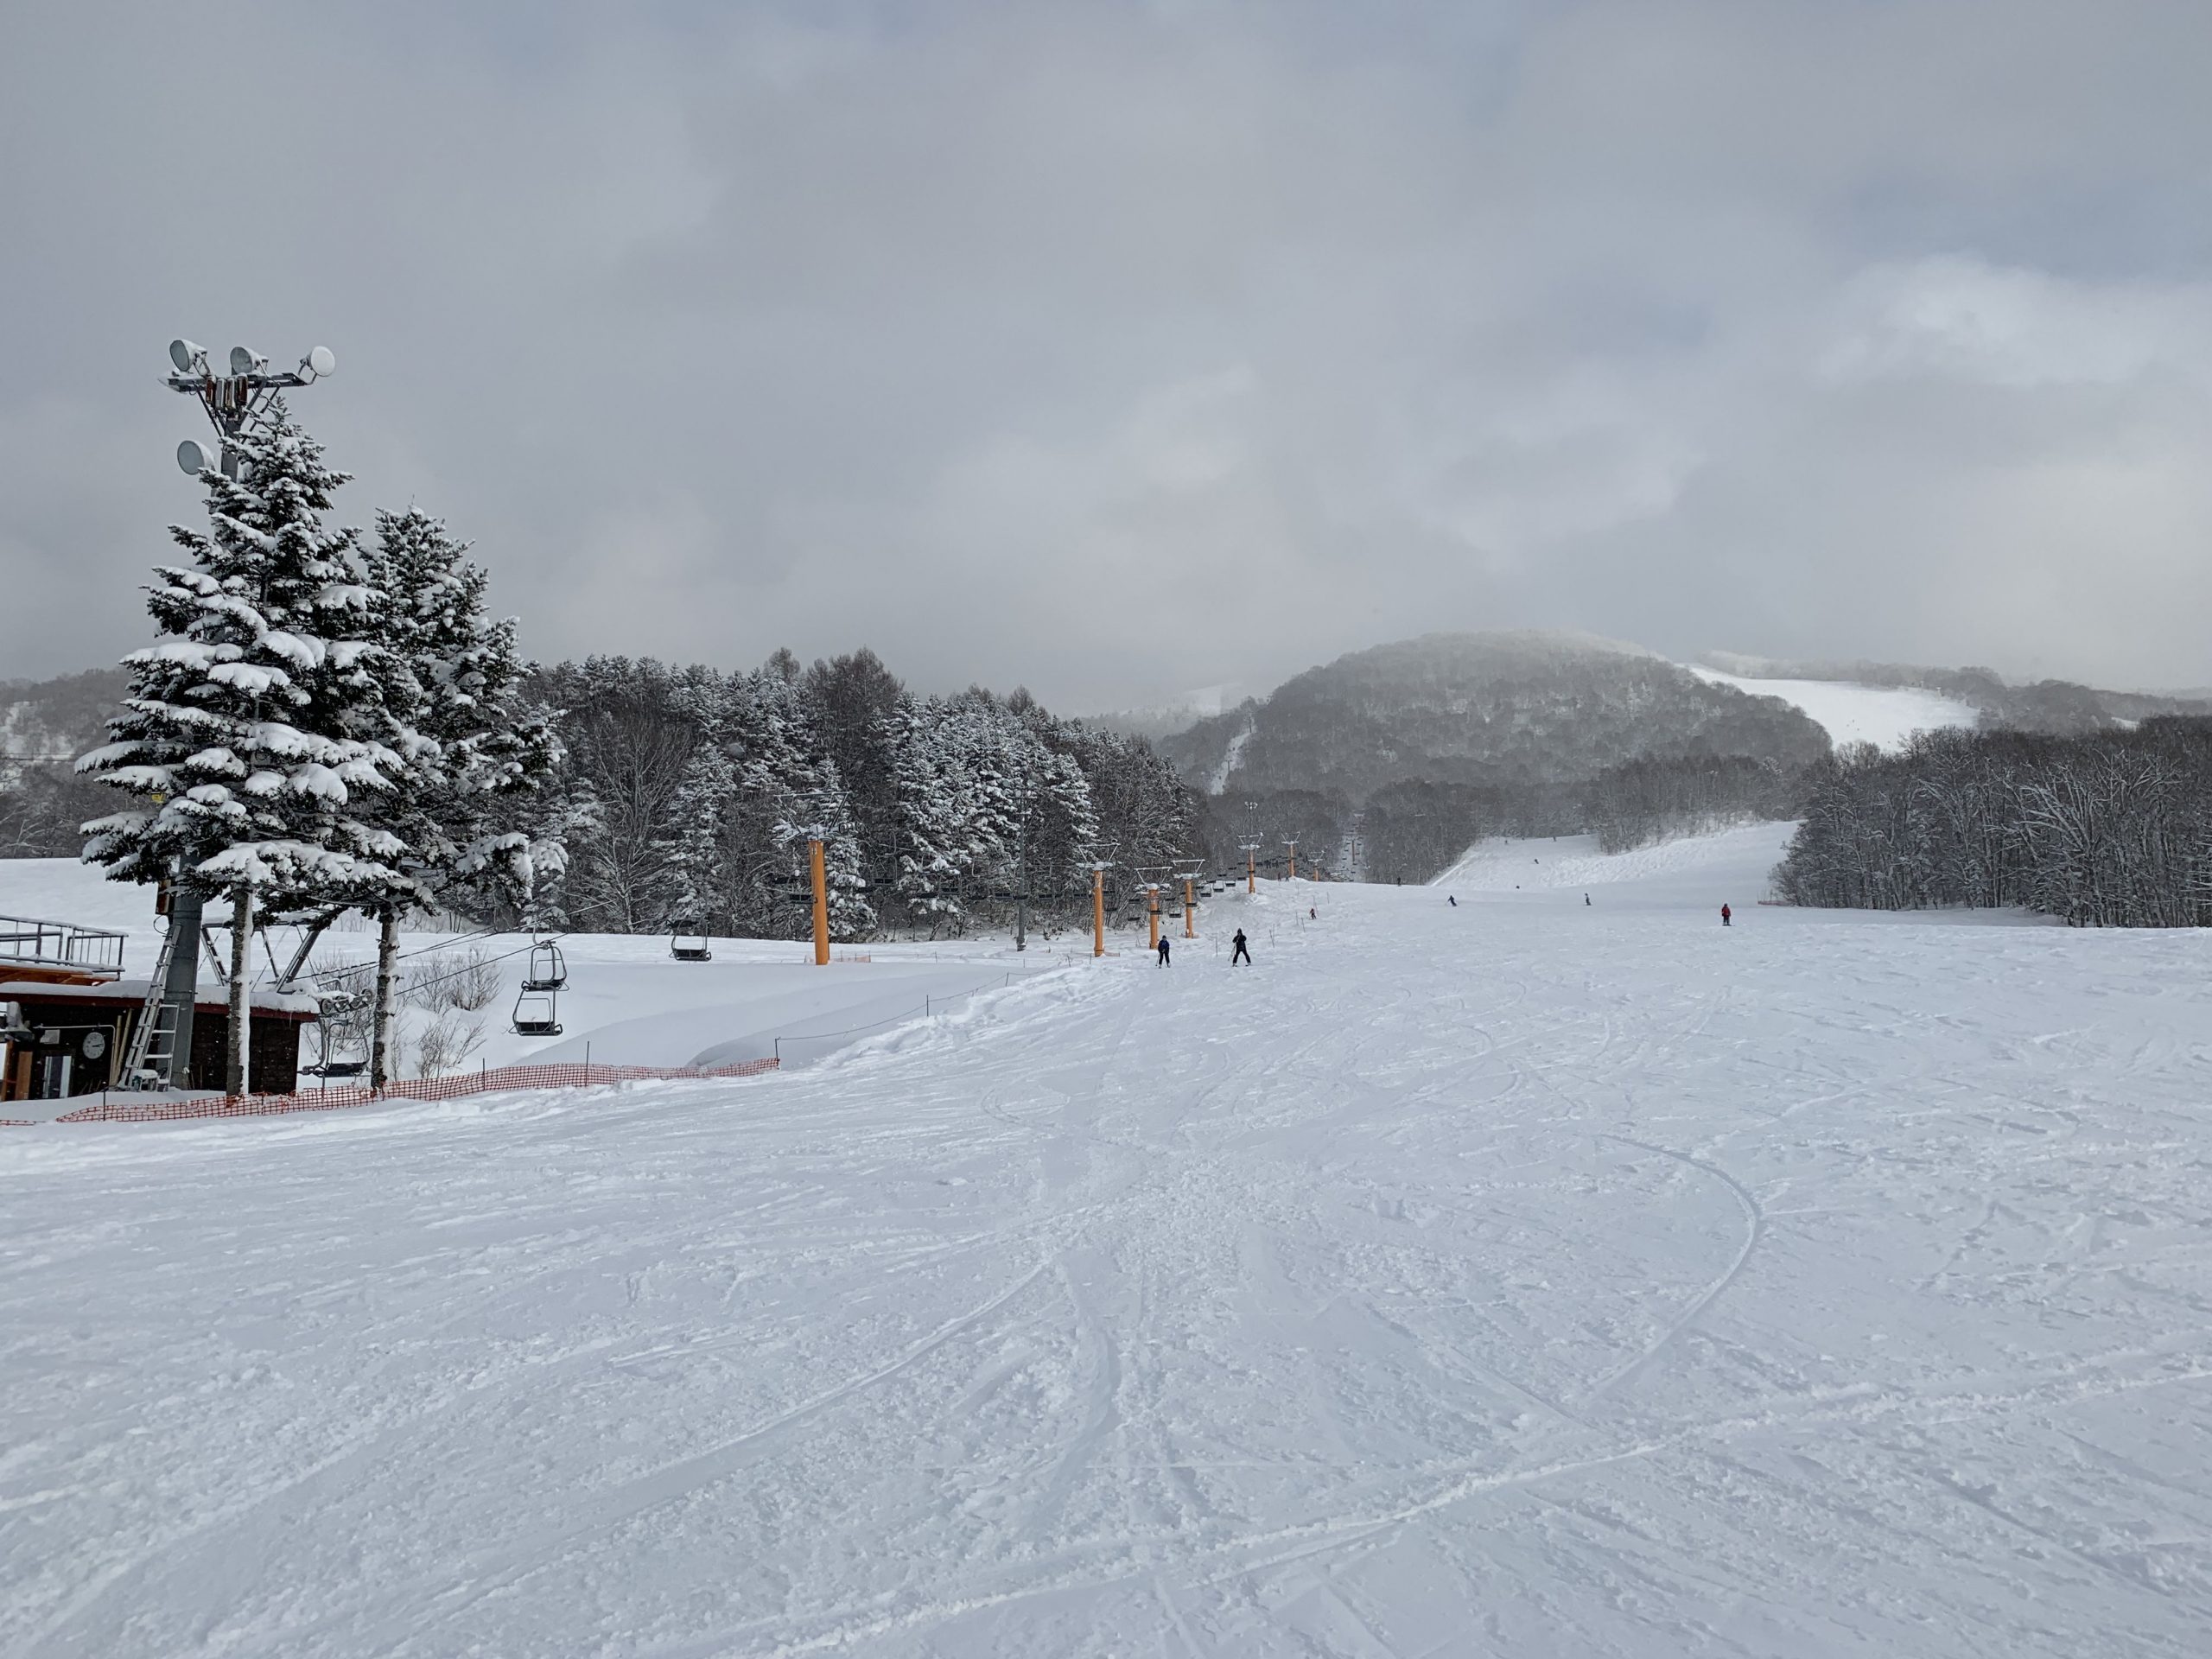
pixel 274 1062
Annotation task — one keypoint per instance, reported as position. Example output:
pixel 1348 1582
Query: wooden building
pixel 66 1014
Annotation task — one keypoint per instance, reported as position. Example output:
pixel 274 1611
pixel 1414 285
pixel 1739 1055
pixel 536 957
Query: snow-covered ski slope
pixel 1519 1278
pixel 1734 863
pixel 1885 715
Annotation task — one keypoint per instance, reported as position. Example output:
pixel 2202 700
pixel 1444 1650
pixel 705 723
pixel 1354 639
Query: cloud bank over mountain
pixel 1122 349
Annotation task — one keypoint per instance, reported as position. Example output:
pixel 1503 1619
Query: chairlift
pixel 537 1015
pixel 690 947
pixel 341 1037
pixel 549 968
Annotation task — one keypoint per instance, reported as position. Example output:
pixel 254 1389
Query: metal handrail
pixel 29 939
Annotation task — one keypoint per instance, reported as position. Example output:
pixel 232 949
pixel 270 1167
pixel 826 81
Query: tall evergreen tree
pixel 255 732
pixel 469 741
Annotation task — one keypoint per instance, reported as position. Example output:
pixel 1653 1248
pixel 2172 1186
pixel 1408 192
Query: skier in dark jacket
pixel 1163 950
pixel 1725 913
pixel 1240 953
pixel 1453 901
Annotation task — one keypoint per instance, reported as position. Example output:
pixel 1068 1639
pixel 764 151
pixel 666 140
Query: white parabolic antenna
pixel 181 352
pixel 322 360
pixel 244 358
pixel 195 457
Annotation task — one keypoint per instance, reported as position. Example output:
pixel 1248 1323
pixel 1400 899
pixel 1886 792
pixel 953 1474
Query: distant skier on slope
pixel 1242 953
pixel 1453 901
pixel 1725 913
pixel 1585 898
pixel 1163 950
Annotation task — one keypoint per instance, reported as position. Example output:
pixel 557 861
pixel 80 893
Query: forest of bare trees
pixel 2112 830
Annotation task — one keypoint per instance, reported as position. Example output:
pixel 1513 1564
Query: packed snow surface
pixel 1885 715
pixel 1516 1277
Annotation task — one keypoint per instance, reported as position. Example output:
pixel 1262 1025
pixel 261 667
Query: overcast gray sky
pixel 1120 349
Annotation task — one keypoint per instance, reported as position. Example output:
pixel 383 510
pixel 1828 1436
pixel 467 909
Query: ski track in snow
pixel 1526 1277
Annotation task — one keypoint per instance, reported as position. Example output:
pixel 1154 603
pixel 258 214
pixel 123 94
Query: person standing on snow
pixel 1242 953
pixel 1163 950
pixel 1725 913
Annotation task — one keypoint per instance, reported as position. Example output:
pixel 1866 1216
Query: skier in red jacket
pixel 1724 915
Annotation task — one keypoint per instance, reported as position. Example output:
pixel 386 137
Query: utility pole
pixel 1021 862
pixel 1098 910
pixel 821 903
pixel 233 403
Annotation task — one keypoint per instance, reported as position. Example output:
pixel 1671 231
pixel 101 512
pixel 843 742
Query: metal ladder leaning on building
pixel 147 1063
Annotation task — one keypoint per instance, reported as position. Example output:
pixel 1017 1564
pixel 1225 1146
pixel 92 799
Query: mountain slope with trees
pixel 1487 710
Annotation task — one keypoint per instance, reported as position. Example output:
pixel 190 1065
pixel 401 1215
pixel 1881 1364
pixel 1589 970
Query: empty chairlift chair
pixel 537 1014
pixel 690 947
pixel 548 970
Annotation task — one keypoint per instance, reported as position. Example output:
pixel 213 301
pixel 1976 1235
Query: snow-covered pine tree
pixel 255 729
pixel 929 816
pixel 795 789
pixel 469 742
pixel 694 889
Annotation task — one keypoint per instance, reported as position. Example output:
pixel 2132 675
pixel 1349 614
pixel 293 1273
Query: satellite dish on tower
pixel 186 355
pixel 195 457
pixel 321 360
pixel 245 360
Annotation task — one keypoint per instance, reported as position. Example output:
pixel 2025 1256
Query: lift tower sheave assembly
pixel 233 402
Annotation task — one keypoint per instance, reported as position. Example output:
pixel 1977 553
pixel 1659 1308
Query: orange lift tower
pixel 821 904
pixel 1292 845
pixel 1190 905
pixel 1252 866
pixel 1151 894
pixel 1098 910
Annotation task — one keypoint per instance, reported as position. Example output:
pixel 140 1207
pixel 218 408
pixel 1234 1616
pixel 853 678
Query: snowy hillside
pixel 1734 864
pixel 1881 715
pixel 1520 1277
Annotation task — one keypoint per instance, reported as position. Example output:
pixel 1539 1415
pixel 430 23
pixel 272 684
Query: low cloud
pixel 1122 349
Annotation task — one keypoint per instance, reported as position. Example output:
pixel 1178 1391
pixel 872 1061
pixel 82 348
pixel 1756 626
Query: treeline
pixel 41 806
pixel 690 795
pixel 2113 830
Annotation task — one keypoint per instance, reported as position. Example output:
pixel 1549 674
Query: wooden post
pixel 1098 910
pixel 1190 911
pixel 1154 890
pixel 820 905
